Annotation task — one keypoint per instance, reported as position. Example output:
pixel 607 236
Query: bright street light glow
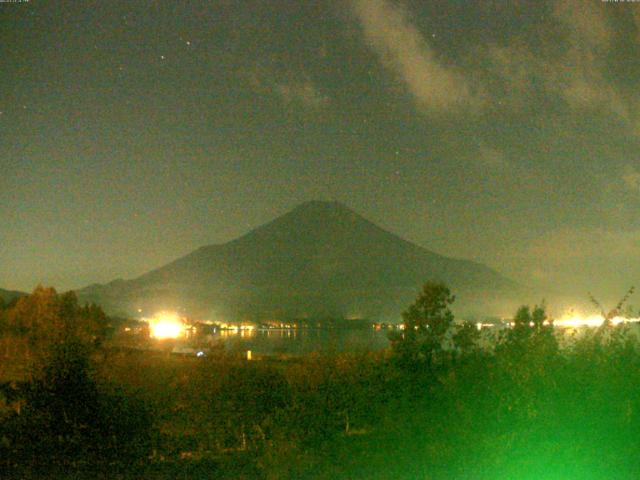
pixel 166 325
pixel 576 321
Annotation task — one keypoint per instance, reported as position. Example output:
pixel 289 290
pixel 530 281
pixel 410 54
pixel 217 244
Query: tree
pixel 614 312
pixel 530 326
pixel 46 319
pixel 3 320
pixel 250 394
pixel 426 325
pixel 67 423
pixel 465 338
pixel 36 316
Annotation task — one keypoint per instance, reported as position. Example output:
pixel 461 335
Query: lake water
pixel 303 340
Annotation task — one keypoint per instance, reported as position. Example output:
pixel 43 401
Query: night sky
pixel 505 132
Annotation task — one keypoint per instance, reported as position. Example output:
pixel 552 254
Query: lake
pixel 302 340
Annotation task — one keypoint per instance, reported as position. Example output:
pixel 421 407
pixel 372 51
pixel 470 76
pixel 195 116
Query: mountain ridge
pixel 8 295
pixel 319 259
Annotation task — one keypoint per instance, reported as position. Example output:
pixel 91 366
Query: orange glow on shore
pixel 576 321
pixel 166 325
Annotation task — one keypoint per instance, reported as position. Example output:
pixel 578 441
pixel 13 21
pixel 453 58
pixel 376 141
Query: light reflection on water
pixel 302 340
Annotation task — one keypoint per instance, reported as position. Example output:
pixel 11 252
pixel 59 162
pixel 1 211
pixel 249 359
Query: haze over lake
pixel 305 340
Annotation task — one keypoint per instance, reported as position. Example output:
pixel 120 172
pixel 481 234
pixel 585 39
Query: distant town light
pixel 166 325
pixel 576 320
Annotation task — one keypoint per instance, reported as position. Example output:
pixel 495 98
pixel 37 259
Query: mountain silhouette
pixel 8 295
pixel 319 260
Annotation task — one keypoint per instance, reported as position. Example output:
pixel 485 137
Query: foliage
pixel 615 311
pixel 466 337
pixel 247 398
pixel 531 331
pixel 46 319
pixel 63 422
pixel 524 409
pixel 67 424
pixel 426 325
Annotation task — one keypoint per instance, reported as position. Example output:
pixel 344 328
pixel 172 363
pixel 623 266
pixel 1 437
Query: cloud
pixel 580 75
pixel 304 92
pixel 493 158
pixel 515 66
pixel 565 244
pixel 635 13
pixel 586 22
pixel 290 87
pixel 631 178
pixel 579 260
pixel 575 70
pixel 583 91
pixel 402 47
pixel 566 58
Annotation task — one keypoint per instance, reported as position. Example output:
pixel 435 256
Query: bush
pixel 67 425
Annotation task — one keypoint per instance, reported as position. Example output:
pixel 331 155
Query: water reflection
pixel 300 340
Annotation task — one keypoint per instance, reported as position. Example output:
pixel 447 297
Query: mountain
pixel 8 295
pixel 319 260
